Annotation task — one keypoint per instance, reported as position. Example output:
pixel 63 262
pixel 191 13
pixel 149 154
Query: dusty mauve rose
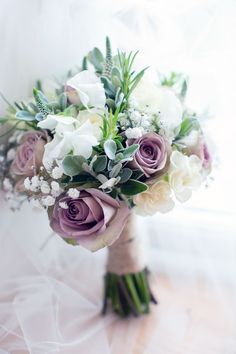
pixel 93 219
pixel 152 154
pixel 29 154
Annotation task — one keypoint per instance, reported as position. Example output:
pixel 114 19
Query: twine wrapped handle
pixel 126 255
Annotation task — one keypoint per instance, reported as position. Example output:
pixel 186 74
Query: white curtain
pixel 50 293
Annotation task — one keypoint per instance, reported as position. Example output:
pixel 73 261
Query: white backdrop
pixel 194 243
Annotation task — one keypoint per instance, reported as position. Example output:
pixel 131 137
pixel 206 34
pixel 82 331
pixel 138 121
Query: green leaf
pixel 133 187
pixel 125 175
pixel 187 125
pixel 96 58
pixel 110 149
pixel 115 170
pixel 130 150
pixel 137 174
pixel 73 164
pixel 100 163
pixel 63 101
pixel 25 115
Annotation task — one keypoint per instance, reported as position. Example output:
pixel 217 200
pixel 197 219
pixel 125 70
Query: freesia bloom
pixel 156 199
pixel 152 154
pixel 93 116
pixel 86 88
pixel 185 174
pixel 161 101
pixel 69 137
pixel 93 219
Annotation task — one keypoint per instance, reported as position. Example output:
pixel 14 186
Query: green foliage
pixel 108 61
pixel 25 115
pixel 129 79
pixel 188 124
pixel 41 102
pixel 178 81
pixel 125 175
pixel 96 58
pixel 133 187
pixel 100 163
pixel 109 127
pixel 73 164
pixel 110 149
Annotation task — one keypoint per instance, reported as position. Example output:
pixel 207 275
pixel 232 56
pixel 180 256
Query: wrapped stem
pixel 126 281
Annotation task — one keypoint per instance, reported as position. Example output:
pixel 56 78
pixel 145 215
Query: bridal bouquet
pixel 105 144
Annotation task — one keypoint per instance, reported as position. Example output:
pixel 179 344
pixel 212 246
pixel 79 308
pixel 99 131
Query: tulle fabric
pixel 51 295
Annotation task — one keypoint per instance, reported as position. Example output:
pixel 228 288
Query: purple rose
pixel 29 154
pixel 93 219
pixel 152 154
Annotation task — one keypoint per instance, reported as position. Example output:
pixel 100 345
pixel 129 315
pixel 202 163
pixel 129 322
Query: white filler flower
pixel 149 98
pixel 185 174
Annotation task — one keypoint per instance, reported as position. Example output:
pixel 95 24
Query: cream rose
pixel 156 199
pixel 185 174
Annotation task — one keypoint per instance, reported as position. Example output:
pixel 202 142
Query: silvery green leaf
pixel 115 170
pixel 110 149
pixel 110 103
pixel 125 175
pixel 130 150
pixel 136 174
pixel 73 165
pixel 39 117
pixel 119 157
pixel 25 115
pixel 110 165
pixel 100 163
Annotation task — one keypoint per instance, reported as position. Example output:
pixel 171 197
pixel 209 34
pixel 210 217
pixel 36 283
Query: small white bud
pixel 57 172
pixel 48 201
pixel 63 205
pixel 27 183
pixel 73 193
pixel 45 188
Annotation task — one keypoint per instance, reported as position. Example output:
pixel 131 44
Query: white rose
pixel 156 199
pixel 185 174
pixel 152 99
pixel 86 88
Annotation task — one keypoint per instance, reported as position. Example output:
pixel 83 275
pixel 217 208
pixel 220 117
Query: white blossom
pixel 86 88
pixel 73 193
pixel 45 188
pixel 185 174
pixel 48 201
pixel 55 186
pixel 35 183
pixel 134 133
pixel 27 183
pixel 57 172
pixel 63 205
pixel 157 198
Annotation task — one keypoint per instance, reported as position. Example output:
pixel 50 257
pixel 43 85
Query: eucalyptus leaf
pixel 73 164
pixel 110 149
pixel 133 187
pixel 25 115
pixel 100 163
